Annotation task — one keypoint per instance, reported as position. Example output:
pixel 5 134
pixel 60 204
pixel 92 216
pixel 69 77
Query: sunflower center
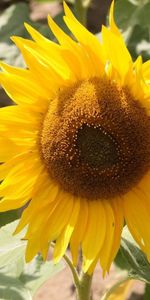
pixel 97 148
pixel 95 140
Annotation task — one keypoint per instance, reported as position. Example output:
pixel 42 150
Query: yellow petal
pixel 95 233
pixel 79 231
pixel 45 217
pixel 24 74
pixel 43 194
pixel 139 227
pixel 105 252
pixel 38 37
pixel 119 223
pixel 146 70
pixel 18 114
pixel 64 238
pixel 49 55
pixel 78 61
pixel 88 41
pixel 112 23
pixel 24 91
pixel 116 52
pixel 38 221
pixel 32 248
pixel 38 71
pixel 143 188
pixel 16 184
pixel 36 62
pixel 64 39
pixel 12 162
pixel 7 204
pixel 16 147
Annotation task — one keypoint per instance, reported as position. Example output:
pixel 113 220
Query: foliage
pixel 147 292
pixel 9 216
pixel 19 280
pixel 134 261
pixel 138 265
pixel 132 17
pixel 12 23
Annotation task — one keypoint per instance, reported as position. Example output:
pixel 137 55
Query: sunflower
pixel 76 146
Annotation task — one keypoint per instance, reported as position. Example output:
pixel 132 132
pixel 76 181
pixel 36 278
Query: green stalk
pixel 81 11
pixel 73 270
pixel 84 288
pixel 82 283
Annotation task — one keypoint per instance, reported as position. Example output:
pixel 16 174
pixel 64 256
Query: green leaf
pixel 132 17
pixel 7 217
pixel 38 271
pixel 12 248
pixel 12 288
pixel 16 277
pixel 136 259
pixel 121 262
pixel 12 23
pixel 134 12
pixel 135 43
pixel 14 268
pixel 24 285
pixel 147 292
pixel 123 19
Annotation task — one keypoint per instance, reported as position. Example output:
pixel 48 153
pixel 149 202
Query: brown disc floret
pixel 95 139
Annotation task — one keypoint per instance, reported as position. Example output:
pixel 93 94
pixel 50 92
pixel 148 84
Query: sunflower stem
pixel 73 270
pixel 81 11
pixel 84 288
pixel 82 283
